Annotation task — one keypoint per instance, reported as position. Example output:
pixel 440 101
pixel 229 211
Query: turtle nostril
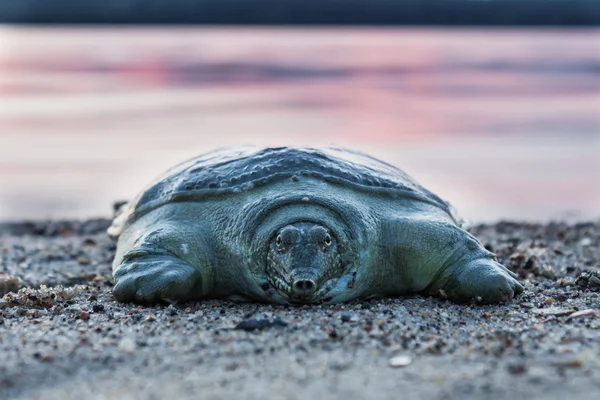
pixel 304 286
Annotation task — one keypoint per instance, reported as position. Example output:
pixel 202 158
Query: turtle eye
pixel 278 242
pixel 327 240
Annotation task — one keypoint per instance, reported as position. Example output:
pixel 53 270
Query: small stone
pixel 571 362
pixel 588 280
pixel 127 345
pixel 548 301
pixel 376 333
pixel 253 324
pixel 97 308
pixel 42 356
pixel 84 316
pixel 586 241
pixel 89 242
pixel 9 284
pixel 151 318
pixel 400 361
pixel 532 263
pixel 517 368
pixel 3 304
pixel 84 260
pixel 345 317
pixel 547 272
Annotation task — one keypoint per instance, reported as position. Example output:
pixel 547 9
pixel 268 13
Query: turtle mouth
pixel 284 288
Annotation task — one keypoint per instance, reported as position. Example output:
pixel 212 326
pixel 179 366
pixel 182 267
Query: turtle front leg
pixel 471 272
pixel 442 259
pixel 166 264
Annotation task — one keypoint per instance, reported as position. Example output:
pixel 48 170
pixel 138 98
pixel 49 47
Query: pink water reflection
pixel 505 124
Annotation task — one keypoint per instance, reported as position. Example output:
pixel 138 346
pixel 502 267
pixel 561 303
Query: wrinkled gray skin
pixel 297 226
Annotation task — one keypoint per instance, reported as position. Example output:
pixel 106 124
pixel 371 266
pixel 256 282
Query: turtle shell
pixel 230 171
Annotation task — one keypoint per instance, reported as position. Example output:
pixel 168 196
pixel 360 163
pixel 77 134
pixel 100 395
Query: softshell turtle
pixel 289 225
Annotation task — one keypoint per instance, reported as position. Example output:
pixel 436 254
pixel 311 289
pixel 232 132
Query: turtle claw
pixel 155 279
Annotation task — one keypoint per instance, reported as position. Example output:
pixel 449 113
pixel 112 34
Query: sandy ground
pixel 71 340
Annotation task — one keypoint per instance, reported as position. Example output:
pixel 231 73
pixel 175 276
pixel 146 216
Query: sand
pixel 62 336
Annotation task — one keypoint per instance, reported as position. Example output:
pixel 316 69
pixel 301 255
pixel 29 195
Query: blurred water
pixel 504 124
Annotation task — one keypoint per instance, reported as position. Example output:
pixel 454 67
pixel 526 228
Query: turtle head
pixel 302 258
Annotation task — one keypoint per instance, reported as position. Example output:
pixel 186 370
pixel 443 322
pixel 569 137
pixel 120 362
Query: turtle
pixel 295 226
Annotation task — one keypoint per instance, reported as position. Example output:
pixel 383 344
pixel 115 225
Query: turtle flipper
pixel 482 280
pixel 161 268
pixel 441 259
pixel 154 278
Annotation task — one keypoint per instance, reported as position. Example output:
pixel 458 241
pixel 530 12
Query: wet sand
pixel 71 340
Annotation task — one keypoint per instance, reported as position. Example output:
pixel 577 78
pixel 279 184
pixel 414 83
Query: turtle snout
pixel 304 287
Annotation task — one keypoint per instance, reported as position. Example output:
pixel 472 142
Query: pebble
pixel 89 242
pixel 9 284
pixel 84 261
pixel 589 280
pixel 517 368
pixel 127 345
pixel 400 361
pixel 253 324
pixel 98 308
pixel 571 362
pixel 561 297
